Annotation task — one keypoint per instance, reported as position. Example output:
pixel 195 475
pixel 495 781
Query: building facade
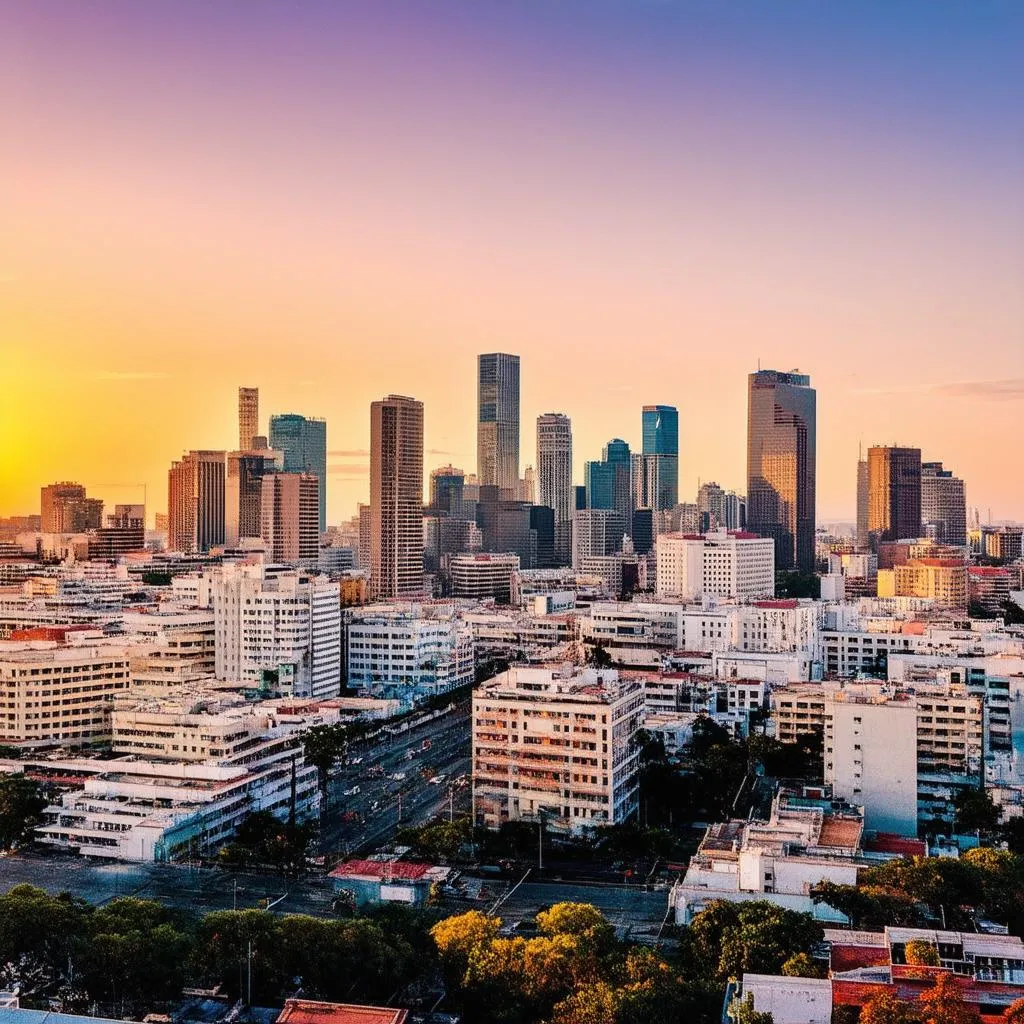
pixel 248 418
pixel 943 505
pixel 739 566
pixel 303 442
pixel 396 497
pixel 554 477
pixel 196 502
pixel 894 494
pixel 290 517
pixel 781 464
pixel 497 437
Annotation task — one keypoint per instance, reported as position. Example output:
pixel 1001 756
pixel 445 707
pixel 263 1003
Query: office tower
pixel 596 532
pixel 711 507
pixel 580 493
pixel 554 477
pixel 529 489
pixel 642 532
pixel 542 536
pixel 894 494
pixel 447 485
pixel 290 516
pixel 195 502
pixel 862 538
pixel 735 511
pixel 64 508
pixel 660 425
pixel 654 481
pixel 248 418
pixel 396 497
pixel 303 441
pixel 608 481
pixel 497 436
pixel 781 460
pixel 243 493
pixel 943 504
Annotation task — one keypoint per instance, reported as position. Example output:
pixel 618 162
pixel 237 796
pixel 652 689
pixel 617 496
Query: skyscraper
pixel 711 507
pixel 554 477
pixel 243 492
pixel 289 517
pixel 195 502
pixel 943 504
pixel 497 437
pixel 863 538
pixel 446 490
pixel 660 467
pixel 608 481
pixel 303 440
pixel 248 417
pixel 894 494
pixel 781 461
pixel 396 497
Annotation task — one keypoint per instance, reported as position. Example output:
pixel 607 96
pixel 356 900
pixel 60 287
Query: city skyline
pixel 732 198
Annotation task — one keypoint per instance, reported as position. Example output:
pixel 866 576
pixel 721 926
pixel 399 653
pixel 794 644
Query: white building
pixel 60 693
pixel 596 532
pixel 408 651
pixel 556 744
pixel 277 626
pixel 735 565
pixel 808 839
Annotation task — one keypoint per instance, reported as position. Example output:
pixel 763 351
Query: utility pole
pixel 248 986
pixel 451 804
pixel 540 843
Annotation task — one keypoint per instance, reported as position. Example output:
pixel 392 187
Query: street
pixel 401 802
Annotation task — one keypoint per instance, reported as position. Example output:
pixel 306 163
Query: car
pixel 398 776
pixel 375 806
pixel 356 760
pixel 438 779
pixel 354 791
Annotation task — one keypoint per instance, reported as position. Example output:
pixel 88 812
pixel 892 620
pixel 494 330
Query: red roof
pixel 399 869
pixel 57 634
pixel 307 1011
pixel 889 842
pixel 849 958
pixel 988 570
pixel 781 602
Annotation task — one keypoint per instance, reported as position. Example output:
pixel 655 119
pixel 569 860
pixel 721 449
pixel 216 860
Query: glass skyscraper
pixel 497 436
pixel 303 441
pixel 781 460
pixel 656 474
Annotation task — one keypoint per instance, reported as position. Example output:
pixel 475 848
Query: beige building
pixel 942 580
pixel 396 497
pixel 63 694
pixel 248 417
pixel 290 517
pixel 64 508
pixel 196 502
pixel 556 744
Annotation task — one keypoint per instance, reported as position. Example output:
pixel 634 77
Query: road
pixel 385 803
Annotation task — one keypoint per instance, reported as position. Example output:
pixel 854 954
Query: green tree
pixel 944 1003
pixel 802 965
pixel 324 746
pixel 742 1012
pixel 975 811
pixel 919 953
pixel 21 804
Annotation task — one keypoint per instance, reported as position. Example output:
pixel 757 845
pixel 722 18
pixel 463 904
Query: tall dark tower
pixel 781 439
pixel 894 494
pixel 497 431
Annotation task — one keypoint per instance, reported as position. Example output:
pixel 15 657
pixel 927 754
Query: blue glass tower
pixel 303 441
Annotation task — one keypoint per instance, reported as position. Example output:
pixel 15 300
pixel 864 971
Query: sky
pixel 644 199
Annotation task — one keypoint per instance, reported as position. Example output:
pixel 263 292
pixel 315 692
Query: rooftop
pixel 307 1011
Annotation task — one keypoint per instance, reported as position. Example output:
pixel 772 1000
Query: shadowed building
pixel 894 494
pixel 497 436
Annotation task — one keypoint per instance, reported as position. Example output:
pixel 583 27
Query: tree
pixel 599 656
pixel 975 811
pixel 593 1004
pixel 459 936
pixel 919 953
pixel 742 1012
pixel 1014 1013
pixel 21 804
pixel 802 965
pixel 885 1007
pixel 944 1003
pixel 323 745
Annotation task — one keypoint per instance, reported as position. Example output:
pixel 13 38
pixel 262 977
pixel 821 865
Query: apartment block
pixel 557 745
pixel 740 566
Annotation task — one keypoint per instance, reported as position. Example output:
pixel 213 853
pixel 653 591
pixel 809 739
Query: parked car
pixel 354 791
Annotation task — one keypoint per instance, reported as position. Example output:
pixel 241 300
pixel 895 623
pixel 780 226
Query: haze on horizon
pixel 642 198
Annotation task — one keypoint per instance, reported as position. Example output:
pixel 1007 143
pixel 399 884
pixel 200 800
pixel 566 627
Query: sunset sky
pixel 643 198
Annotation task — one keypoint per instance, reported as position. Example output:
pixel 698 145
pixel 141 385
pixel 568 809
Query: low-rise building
pixel 729 564
pixel 483 576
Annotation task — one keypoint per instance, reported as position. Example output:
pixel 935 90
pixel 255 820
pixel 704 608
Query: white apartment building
pixel 409 651
pixel 556 744
pixel 807 840
pixel 278 622
pixel 179 646
pixel 51 693
pixel 735 565
pixel 901 754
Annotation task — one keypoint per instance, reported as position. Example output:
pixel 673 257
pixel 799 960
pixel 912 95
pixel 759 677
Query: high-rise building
pixel 894 494
pixel 497 437
pixel 447 485
pixel 943 504
pixel 659 478
pixel 289 517
pixel 396 497
pixel 195 502
pixel 64 508
pixel 365 516
pixel 303 441
pixel 735 511
pixel 863 503
pixel 711 507
pixel 554 477
pixel 248 417
pixel 243 493
pixel 596 532
pixel 781 461
pixel 608 482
